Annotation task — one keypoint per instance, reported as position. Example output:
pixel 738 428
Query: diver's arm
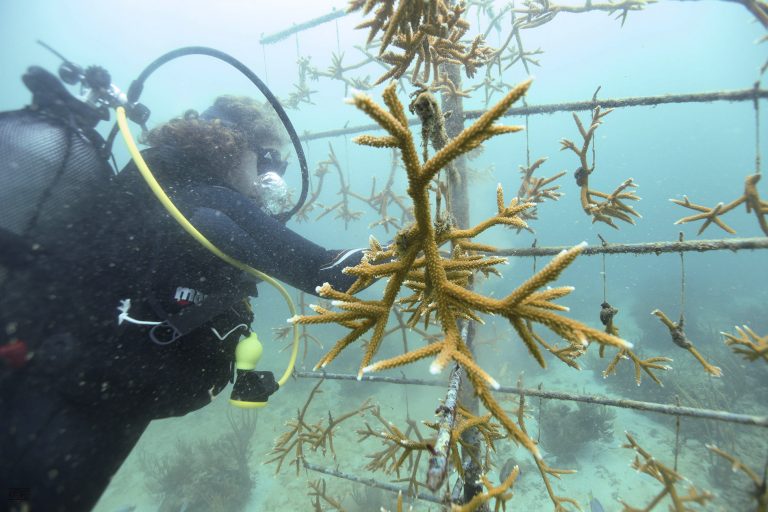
pixel 240 229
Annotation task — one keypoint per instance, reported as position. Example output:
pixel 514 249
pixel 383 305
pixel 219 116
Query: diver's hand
pixel 254 386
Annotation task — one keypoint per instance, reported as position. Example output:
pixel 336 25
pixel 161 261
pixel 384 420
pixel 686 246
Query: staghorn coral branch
pixel 709 215
pixel 750 197
pixel 756 347
pixel 682 341
pixel 298 434
pixel 760 489
pixel 439 282
pixel 539 12
pixel 319 494
pixel 600 206
pixel 500 493
pixel 544 470
pixel 399 447
pixel 641 365
pixel 471 136
pixel 645 463
pixel 429 34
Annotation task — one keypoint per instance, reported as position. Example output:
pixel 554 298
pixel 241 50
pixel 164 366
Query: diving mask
pixel 270 160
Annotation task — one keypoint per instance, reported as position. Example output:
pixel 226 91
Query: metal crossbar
pixel 369 482
pixel 300 27
pixel 575 106
pixel 729 244
pixel 673 410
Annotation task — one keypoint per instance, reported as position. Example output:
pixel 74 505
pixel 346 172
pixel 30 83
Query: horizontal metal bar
pixel 674 410
pixel 279 36
pixel 638 101
pixel 730 244
pixel 575 106
pixel 369 481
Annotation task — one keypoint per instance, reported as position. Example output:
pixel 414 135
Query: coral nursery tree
pixel 429 268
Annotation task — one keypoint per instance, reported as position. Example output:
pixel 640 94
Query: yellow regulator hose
pixel 189 228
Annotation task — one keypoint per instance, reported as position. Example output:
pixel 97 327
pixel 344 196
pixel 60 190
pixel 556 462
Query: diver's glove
pixel 253 386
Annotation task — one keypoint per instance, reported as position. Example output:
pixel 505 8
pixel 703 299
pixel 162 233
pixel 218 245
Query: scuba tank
pixel 51 159
pixel 51 155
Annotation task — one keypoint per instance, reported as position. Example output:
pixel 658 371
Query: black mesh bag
pixel 51 158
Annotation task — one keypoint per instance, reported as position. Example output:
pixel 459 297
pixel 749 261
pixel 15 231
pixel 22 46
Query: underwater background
pixel 702 150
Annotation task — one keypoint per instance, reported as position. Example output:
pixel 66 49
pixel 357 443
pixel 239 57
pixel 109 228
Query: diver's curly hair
pixel 212 148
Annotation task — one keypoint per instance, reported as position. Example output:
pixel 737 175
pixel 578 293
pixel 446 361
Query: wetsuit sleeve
pixel 238 227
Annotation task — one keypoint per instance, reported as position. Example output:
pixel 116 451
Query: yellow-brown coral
pixel 748 344
pixel 682 341
pixel 645 463
pixel 750 198
pixel 600 206
pixel 438 281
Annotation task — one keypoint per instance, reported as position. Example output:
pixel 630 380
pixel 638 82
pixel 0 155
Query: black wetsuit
pixel 74 411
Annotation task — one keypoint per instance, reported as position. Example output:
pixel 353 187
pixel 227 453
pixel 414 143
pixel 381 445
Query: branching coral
pixel 315 436
pixel 600 206
pixel 641 365
pixel 760 486
pixel 429 33
pixel 399 449
pixel 748 344
pixel 320 497
pixel 544 470
pixel 499 493
pixel 535 190
pixel 342 207
pixel 438 281
pixel 539 12
pixel 301 91
pixel 337 71
pixel 645 463
pixel 285 333
pixel 507 56
pixel 750 198
pixel 380 201
pixel 682 341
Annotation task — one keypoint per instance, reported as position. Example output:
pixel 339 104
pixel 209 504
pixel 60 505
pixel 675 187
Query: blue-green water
pixel 700 150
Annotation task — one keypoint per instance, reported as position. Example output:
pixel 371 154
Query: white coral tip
pixel 435 368
pixel 293 319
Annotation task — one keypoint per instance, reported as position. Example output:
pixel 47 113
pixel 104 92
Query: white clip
pixel 125 305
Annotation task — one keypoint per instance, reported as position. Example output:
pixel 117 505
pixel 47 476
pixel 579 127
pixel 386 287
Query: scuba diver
pixel 112 315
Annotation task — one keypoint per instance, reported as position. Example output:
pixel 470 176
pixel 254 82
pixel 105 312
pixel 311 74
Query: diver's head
pixel 236 142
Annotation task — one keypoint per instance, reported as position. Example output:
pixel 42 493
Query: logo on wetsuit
pixel 186 296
